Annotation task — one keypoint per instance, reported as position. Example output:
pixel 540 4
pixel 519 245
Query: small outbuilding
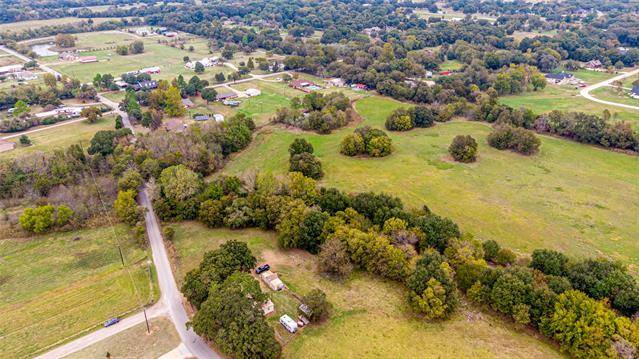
pixel 187 103
pixel 634 93
pixel 252 92
pixel 268 307
pixel 218 117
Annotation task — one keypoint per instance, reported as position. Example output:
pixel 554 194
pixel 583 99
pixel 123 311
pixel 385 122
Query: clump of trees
pixel 463 149
pixel 228 300
pixel 419 116
pixel 433 292
pixel 317 305
pixel 516 139
pixel 302 159
pixel 44 218
pixel 317 112
pixel 136 47
pixel 366 141
pixel 64 40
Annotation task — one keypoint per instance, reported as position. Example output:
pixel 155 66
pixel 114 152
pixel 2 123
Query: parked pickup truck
pixel 111 322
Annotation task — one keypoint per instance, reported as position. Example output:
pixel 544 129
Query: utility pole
pixel 148 330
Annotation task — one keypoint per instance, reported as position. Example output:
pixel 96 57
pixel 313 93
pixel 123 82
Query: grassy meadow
pixel 567 98
pixel 369 318
pixel 60 285
pixel 51 139
pixel 561 198
pixel 135 342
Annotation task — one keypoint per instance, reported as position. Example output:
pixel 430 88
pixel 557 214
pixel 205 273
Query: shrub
pixel 307 164
pixel 379 146
pixel 39 219
pixel 516 139
pixel 505 257
pixel 130 180
pixel 399 120
pixel 299 146
pixel 168 233
pixel 211 213
pixel 463 149
pixel 334 260
pixel 126 208
pixel 433 292
pixel 423 116
pixel 549 262
pixel 352 145
pixel 491 248
pixel 317 304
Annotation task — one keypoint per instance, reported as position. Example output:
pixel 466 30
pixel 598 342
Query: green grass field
pixel 34 24
pixel 566 98
pixel 611 94
pixel 370 317
pixel 560 198
pixel 135 342
pixel 451 65
pixel 60 137
pixel 57 286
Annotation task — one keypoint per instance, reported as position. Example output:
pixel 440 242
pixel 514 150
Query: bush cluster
pixel 366 141
pixel 302 159
pixel 419 116
pixel 317 112
pixel 516 139
pixel 463 149
pixel 44 218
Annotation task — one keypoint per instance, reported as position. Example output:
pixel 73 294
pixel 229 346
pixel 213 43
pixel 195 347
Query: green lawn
pixel 59 137
pixel 451 65
pixel 370 317
pixel 566 98
pixel 135 342
pixel 34 24
pixel 572 197
pixel 57 286
pixel 610 94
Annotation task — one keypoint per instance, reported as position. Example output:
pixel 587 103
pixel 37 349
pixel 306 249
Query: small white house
pixel 268 307
pixel 252 92
pixel 288 323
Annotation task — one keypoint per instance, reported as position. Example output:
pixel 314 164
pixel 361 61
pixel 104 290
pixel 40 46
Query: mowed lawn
pixel 572 197
pixel 135 342
pixel 59 285
pixel 567 98
pixel 370 317
pixel 61 137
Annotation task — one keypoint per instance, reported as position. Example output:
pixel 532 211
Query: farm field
pixel 566 98
pixel 558 199
pixel 59 285
pixel 169 59
pixel 34 24
pixel 135 342
pixel 60 137
pixel 369 316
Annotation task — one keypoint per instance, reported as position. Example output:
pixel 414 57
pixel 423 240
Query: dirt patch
pixel 293 257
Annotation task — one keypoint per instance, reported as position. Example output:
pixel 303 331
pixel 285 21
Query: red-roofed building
pixel 88 59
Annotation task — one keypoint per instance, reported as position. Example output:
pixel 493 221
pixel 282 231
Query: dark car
pixel 111 322
pixel 263 268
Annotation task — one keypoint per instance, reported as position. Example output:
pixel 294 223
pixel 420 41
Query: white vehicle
pixel 288 323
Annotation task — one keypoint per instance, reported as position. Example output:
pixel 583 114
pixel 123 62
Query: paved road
pixel 157 310
pixel 585 92
pixel 27 59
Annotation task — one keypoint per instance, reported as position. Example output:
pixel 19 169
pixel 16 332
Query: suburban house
pixel 634 93
pixel 558 78
pixel 145 85
pixel 4 70
pixel 206 62
pixel 148 70
pixel 304 85
pixel 594 65
pixel 272 280
pixel 68 56
pixel 62 111
pixel 88 59
pixel 336 82
pixel 225 96
pixel 25 76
